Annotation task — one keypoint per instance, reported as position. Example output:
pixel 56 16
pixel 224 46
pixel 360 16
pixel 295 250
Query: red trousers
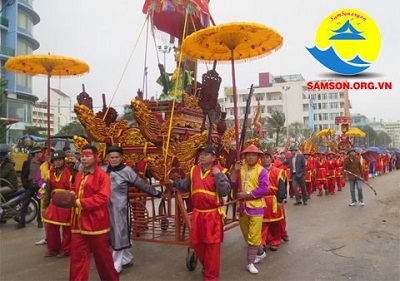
pixel 332 185
pixel 321 185
pixel 366 175
pixel 309 187
pixel 209 256
pixel 81 247
pixel 57 243
pixel 339 182
pixel 273 232
pixel 291 191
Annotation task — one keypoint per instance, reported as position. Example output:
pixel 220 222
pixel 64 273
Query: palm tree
pixel 277 122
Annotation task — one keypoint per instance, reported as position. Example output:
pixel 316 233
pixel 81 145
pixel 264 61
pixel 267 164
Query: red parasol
pixel 169 15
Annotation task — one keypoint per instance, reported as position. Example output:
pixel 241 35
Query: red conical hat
pixel 252 148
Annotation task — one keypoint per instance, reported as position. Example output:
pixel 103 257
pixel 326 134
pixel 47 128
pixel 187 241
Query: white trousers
pixel 121 258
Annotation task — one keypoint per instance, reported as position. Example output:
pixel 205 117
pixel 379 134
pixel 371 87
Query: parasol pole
pixel 235 113
pixel 48 112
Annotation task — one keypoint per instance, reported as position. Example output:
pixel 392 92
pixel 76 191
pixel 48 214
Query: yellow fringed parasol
pixel 49 65
pixel 325 132
pixel 232 42
pixel 355 132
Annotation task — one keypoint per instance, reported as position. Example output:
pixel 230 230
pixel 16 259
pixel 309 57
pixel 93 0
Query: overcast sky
pixel 105 34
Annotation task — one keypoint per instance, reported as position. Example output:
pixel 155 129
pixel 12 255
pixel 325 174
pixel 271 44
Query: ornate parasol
pixel 48 65
pixel 325 132
pixel 232 42
pixel 355 132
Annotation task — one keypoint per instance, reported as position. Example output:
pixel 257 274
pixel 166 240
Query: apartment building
pixel 315 109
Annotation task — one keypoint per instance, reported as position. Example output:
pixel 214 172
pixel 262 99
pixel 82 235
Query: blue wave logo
pixel 330 59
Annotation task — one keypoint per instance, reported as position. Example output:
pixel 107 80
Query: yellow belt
pixel 219 209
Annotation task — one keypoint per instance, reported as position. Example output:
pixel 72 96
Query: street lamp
pixel 164 49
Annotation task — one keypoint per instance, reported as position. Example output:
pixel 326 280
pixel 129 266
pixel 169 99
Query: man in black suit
pixel 297 164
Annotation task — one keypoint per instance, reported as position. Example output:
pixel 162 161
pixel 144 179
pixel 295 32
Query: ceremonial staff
pixel 370 186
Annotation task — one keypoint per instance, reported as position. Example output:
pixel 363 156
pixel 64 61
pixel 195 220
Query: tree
pixel 276 121
pixel 299 132
pixel 73 128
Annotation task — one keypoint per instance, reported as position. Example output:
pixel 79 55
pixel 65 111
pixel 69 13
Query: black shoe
pixel 18 226
pixel 297 203
pixel 305 203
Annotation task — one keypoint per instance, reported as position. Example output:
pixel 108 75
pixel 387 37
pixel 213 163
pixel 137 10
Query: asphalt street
pixel 328 241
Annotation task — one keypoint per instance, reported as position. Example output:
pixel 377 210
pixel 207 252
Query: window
pixel 24 22
pixel 19 110
pixel 24 80
pixel 23 47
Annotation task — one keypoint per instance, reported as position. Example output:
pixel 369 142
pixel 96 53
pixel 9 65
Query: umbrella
pixel 31 137
pixel 5 148
pixel 371 155
pixel 47 65
pixel 355 132
pixel 232 42
pixel 325 132
pixel 170 15
pixel 375 149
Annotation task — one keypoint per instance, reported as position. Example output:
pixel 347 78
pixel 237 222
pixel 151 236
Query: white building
pixel 393 130
pixel 289 94
pixel 61 112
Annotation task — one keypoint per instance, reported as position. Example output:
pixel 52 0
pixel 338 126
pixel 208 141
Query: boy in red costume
pixel 208 184
pixel 91 220
pixel 274 220
pixel 56 217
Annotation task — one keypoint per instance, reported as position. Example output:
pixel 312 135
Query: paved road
pixel 328 241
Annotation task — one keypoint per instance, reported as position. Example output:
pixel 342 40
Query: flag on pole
pixel 257 121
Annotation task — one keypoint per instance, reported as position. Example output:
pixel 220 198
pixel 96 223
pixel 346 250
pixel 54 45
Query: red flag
pixel 257 121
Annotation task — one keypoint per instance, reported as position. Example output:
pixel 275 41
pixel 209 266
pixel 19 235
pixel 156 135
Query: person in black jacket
pixel 297 164
pixel 30 168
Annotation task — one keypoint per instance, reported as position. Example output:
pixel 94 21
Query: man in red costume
pixel 339 171
pixel 331 172
pixel 54 216
pixel 274 220
pixel 91 220
pixel 208 184
pixel 321 167
pixel 310 170
pixel 365 168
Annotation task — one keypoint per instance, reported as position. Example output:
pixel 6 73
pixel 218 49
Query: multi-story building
pixel 16 25
pixel 358 119
pixel 315 109
pixel 61 112
pixel 393 130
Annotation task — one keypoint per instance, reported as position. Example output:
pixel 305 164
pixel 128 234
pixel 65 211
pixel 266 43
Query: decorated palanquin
pixel 167 134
